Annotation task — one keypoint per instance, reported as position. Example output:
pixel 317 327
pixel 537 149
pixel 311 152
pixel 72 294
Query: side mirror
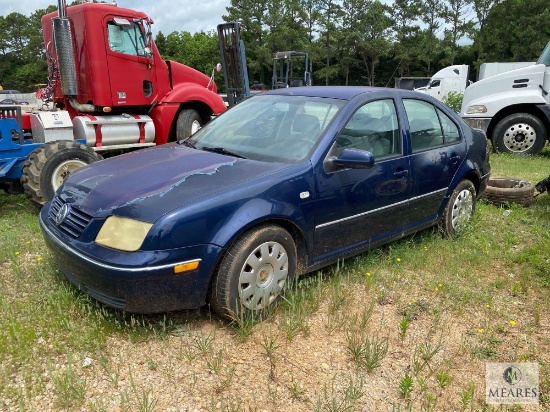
pixel 148 52
pixel 354 159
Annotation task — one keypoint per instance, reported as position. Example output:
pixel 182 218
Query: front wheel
pixel 189 121
pixel 460 209
pixel 48 166
pixel 253 273
pixel 520 133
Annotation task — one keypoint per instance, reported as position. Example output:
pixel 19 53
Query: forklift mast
pixel 287 70
pixel 233 59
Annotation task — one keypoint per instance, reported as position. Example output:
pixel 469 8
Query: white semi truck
pixel 513 107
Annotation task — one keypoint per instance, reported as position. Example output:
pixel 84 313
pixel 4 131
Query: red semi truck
pixel 115 92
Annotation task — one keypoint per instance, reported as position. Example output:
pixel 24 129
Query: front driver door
pixel 356 207
pixel 131 73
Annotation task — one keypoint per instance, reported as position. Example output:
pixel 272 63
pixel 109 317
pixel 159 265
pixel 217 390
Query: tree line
pixel 350 42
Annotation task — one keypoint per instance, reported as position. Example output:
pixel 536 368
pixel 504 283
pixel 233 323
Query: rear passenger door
pixel 438 149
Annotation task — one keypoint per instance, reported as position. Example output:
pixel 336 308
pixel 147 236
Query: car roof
pixel 339 92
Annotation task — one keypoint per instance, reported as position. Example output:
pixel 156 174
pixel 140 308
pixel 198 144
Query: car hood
pixel 149 183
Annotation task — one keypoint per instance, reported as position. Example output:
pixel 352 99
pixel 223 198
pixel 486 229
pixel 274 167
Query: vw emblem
pixel 62 214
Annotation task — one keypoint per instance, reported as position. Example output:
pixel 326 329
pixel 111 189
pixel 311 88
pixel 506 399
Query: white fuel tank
pixel 119 130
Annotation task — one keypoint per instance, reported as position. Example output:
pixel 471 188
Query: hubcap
pixel 63 170
pixel 263 275
pixel 463 207
pixel 520 137
pixel 195 126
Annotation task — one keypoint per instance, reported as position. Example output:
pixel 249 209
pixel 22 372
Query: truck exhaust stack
pixel 65 49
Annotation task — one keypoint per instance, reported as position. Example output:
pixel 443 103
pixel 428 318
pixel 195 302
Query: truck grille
pixel 74 223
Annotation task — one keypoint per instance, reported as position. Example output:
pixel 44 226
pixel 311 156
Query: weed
pixel 467 396
pixel 443 379
pixel 270 345
pixel 203 342
pixel 367 353
pixel 406 386
pixel 70 388
pixel 295 389
pixel 332 401
pixel 215 361
pixel 403 326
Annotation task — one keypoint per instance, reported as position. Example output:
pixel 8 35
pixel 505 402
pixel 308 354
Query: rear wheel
pixel 254 272
pixel 460 209
pixel 520 133
pixel 49 165
pixel 189 121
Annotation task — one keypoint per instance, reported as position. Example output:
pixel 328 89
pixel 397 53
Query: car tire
pixel 189 121
pixel 47 166
pixel 519 133
pixel 460 209
pixel 254 273
pixel 504 190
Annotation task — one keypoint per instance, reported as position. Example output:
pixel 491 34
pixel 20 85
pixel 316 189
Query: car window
pixel 425 127
pixel 275 128
pixel 374 128
pixel 450 130
pixel 126 39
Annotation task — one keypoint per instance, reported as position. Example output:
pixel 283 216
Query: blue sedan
pixel 285 182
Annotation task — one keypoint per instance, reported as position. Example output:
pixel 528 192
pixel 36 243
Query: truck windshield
pixel 545 56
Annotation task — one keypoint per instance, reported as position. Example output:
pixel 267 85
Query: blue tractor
pixel 38 165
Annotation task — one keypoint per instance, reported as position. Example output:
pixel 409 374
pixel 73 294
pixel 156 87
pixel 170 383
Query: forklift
pixel 288 67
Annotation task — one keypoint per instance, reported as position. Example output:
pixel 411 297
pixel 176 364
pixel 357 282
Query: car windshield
pixel 272 128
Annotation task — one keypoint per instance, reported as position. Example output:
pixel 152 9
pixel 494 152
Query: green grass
pixel 486 288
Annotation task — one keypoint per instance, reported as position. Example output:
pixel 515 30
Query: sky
pixel 168 15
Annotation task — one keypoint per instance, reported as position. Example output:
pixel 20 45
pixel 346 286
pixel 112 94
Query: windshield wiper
pixel 222 151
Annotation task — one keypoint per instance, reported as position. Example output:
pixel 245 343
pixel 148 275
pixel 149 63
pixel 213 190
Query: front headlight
pixel 122 233
pixel 476 109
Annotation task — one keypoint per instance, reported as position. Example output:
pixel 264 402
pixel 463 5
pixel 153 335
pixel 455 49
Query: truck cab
pixel 109 65
pixel 450 79
pixel 513 107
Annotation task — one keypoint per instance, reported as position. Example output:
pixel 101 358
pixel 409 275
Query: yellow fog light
pixel 122 233
pixel 187 266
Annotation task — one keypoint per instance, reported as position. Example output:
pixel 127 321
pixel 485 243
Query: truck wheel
pixel 47 167
pixel 189 121
pixel 520 133
pixel 502 190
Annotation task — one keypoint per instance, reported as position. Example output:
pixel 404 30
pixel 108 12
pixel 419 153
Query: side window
pixel 373 127
pixel 127 39
pixel 450 130
pixel 424 125
pixel 435 83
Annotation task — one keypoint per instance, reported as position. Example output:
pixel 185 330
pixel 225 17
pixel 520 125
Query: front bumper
pixel 478 123
pixel 138 288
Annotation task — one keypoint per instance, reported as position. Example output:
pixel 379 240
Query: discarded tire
pixel 502 190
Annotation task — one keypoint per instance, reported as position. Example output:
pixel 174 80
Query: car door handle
pixel 401 174
pixel 454 158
